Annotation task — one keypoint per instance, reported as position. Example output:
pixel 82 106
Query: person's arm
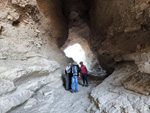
pixel 86 69
pixel 68 69
pixel 78 68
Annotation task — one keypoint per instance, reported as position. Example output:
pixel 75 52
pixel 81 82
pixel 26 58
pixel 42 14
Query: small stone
pixel 15 1
pixel 138 46
pixel 132 29
pixel 30 103
pixel 37 31
pixel 9 17
pixel 22 5
pixel 144 6
pixel 47 93
pixel 25 21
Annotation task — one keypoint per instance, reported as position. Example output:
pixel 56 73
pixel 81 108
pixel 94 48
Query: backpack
pixel 74 70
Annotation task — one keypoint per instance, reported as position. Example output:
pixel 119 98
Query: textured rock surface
pixel 28 53
pixel 119 28
pixel 25 79
pixel 58 100
pixel 28 34
pixel 112 95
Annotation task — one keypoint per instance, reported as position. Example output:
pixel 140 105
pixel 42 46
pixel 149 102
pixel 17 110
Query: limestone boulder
pixel 144 67
pixel 30 103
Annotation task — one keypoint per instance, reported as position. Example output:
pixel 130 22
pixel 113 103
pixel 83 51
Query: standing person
pixel 84 72
pixel 75 72
pixel 68 76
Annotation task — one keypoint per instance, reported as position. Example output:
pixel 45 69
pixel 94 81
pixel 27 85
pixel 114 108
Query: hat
pixel 81 62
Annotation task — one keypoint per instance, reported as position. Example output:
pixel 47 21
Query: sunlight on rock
pixel 76 52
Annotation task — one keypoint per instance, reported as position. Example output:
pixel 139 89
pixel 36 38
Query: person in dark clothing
pixel 84 72
pixel 68 76
pixel 75 72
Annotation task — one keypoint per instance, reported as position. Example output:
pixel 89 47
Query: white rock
pixel 30 103
pixel 9 17
pixel 144 67
pixel 15 1
pixel 6 86
pixel 38 31
pixel 28 78
pixel 12 100
pixel 47 93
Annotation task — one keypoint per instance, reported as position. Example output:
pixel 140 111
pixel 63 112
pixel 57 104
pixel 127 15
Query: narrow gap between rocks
pixel 76 53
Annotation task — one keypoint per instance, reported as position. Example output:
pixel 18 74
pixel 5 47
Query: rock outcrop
pixel 113 95
pixel 119 28
pixel 22 80
pixel 29 56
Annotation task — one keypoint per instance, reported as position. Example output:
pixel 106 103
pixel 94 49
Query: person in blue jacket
pixel 75 73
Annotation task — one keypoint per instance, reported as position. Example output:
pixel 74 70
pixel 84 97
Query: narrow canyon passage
pixel 78 54
pixel 114 36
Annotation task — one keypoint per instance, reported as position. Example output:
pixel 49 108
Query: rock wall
pixel 31 35
pixel 29 56
pixel 53 9
pixel 113 95
pixel 23 79
pixel 121 34
pixel 119 28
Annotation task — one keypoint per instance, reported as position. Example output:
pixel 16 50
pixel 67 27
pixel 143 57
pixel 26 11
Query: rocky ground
pixel 60 100
pixel 124 91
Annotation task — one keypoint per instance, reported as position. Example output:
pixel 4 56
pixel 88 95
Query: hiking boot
pixel 83 85
pixel 77 91
pixel 87 85
pixel 72 91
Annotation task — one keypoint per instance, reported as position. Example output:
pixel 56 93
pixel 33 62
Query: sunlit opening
pixel 76 52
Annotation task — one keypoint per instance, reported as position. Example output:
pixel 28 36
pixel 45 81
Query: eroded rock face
pixel 113 94
pixel 52 9
pixel 24 79
pixel 29 56
pixel 119 28
pixel 31 34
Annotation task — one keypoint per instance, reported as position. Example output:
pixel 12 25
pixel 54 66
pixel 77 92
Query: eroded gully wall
pixel 121 34
pixel 119 28
pixel 29 56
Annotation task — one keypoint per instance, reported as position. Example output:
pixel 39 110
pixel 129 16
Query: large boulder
pixel 23 80
pixel 119 93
